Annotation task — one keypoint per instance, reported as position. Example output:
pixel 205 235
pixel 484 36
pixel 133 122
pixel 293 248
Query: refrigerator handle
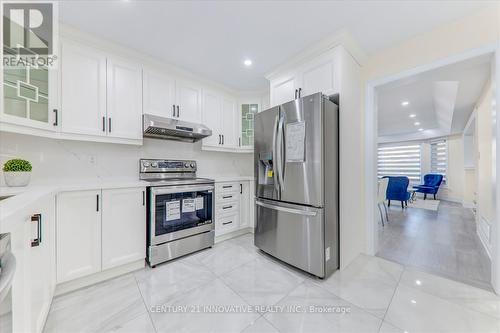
pixel 280 166
pixel 286 209
pixel 275 156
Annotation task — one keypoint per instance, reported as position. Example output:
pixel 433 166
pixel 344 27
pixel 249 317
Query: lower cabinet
pixel 123 226
pixel 233 207
pixel 99 229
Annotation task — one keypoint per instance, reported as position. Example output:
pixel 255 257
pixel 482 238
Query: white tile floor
pixel 370 295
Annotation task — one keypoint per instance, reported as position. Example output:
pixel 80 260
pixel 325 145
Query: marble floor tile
pixel 368 282
pixel 141 324
pixel 416 311
pixel 261 325
pixel 389 328
pixel 459 293
pixel 171 279
pixel 225 257
pixel 213 307
pixel 261 282
pixel 310 308
pixel 99 308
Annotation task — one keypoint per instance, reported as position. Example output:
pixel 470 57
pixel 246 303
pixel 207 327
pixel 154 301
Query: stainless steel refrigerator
pixel 297 201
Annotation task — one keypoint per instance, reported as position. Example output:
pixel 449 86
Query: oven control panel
pixel 167 166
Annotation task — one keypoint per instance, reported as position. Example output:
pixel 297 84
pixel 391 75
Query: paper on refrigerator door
pixel 173 210
pixel 295 140
pixel 188 205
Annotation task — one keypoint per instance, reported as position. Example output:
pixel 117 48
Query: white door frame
pixel 371 148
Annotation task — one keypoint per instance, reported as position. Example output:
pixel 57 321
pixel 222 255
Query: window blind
pixel 402 160
pixel 439 158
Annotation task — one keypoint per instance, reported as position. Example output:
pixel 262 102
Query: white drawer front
pixel 227 209
pixel 224 188
pixel 223 198
pixel 226 224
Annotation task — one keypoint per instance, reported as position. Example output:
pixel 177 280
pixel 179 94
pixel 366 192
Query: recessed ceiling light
pixel 405 103
pixel 413 301
pixel 413 115
pixel 420 129
pixel 416 123
pixel 247 62
pixel 418 282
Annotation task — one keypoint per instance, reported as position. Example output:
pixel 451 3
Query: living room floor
pixel 442 242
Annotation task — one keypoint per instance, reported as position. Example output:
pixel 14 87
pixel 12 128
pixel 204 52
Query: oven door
pixel 180 211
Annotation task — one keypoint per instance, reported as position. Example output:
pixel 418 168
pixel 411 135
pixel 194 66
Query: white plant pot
pixel 15 179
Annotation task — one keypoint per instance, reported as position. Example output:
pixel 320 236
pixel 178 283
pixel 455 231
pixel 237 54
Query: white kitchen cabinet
pixel 221 116
pixel 123 226
pixel 233 207
pixel 124 99
pixel 230 127
pixel 212 117
pixel 41 261
pixel 321 74
pixel 83 90
pixel 78 234
pixel 283 90
pixel 188 100
pixel 158 94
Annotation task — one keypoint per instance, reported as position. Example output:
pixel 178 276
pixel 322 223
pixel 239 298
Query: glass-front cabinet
pixel 27 92
pixel 248 112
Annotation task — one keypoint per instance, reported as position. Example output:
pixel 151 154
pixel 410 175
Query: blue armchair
pixel 431 185
pixel 398 190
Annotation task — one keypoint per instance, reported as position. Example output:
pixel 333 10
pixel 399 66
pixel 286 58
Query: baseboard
pixel 86 281
pixel 233 234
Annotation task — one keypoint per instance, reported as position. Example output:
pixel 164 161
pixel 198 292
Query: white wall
pixel 70 161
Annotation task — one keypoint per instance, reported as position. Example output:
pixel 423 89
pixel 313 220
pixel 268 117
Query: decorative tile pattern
pixel 370 295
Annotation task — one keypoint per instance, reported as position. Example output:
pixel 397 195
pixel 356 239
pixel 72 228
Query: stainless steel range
pixel 180 209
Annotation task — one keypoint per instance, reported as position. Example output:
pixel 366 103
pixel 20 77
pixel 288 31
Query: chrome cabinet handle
pixel 227 197
pixel 109 124
pixel 227 207
pixel 222 139
pixel 173 110
pixel 104 124
pixel 38 219
pixel 178 111
pixel 229 222
pixel 97 202
pixel 286 209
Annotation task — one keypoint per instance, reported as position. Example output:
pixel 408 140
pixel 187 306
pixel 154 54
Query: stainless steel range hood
pixel 173 129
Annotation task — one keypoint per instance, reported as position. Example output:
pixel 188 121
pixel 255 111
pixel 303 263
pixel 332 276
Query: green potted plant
pixel 17 172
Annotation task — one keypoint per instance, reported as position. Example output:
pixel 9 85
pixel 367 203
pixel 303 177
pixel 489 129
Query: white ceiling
pixel 212 38
pixel 441 99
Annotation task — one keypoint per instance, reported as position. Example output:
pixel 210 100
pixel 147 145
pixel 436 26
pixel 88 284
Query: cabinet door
pixel 123 226
pixel 244 205
pixel 158 94
pixel 212 117
pixel 229 123
pixel 78 234
pixel 246 121
pixel 124 96
pixel 83 90
pixel 42 262
pixel 283 90
pixel 188 98
pixel 320 76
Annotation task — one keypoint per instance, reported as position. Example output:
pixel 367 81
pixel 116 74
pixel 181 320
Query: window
pixel 402 160
pixel 439 158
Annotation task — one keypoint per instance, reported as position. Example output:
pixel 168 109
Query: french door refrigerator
pixel 297 201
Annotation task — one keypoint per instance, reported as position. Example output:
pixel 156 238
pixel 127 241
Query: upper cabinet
pixel 28 95
pixel 124 99
pixel 167 97
pixel 220 115
pixel 100 95
pixel 159 94
pixel 317 75
pixel 83 101
pixel 247 114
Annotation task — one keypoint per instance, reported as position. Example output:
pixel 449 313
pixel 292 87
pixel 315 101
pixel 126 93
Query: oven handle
pixel 180 189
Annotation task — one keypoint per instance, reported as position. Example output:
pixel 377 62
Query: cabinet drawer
pixel 227 224
pixel 224 188
pixel 223 198
pixel 227 209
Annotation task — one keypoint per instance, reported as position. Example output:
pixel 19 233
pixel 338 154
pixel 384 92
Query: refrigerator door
pixel 300 151
pixel 291 233
pixel 265 131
